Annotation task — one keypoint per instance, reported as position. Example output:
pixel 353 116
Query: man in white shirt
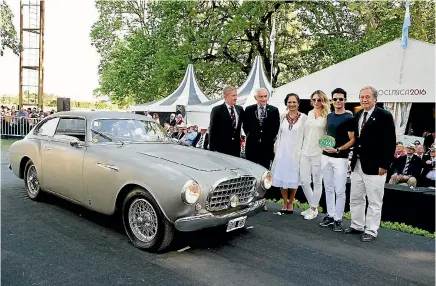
pixel 202 139
pixel 406 169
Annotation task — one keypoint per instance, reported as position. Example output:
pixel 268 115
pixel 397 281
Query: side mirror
pixel 75 143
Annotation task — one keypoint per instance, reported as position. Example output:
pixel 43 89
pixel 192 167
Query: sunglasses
pixel 340 99
pixel 316 99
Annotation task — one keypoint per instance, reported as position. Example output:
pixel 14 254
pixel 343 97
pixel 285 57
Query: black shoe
pixel 366 237
pixel 351 230
pixel 327 221
pixel 337 226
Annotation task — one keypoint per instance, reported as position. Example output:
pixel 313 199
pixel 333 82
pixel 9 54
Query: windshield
pixel 127 130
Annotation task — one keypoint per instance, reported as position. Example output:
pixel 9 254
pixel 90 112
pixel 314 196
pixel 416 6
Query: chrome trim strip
pixel 108 166
pixel 202 221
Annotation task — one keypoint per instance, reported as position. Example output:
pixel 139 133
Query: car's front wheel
pixel 31 181
pixel 144 222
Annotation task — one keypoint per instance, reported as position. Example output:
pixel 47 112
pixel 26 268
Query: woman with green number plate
pixel 310 163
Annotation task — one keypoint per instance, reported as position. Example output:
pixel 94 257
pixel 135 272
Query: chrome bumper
pixel 208 220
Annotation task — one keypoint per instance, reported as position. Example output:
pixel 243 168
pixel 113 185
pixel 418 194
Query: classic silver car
pixel 126 164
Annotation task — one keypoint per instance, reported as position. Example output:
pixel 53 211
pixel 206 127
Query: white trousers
pixel 310 167
pixel 372 186
pixel 334 173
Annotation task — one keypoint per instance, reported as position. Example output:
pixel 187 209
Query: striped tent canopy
pixel 188 93
pixel 255 80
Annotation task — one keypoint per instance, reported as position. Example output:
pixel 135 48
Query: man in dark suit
pixel 202 139
pixel 406 169
pixel 261 125
pixel 374 149
pixel 225 125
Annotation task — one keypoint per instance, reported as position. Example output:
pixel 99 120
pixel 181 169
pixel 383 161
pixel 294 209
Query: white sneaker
pixel 311 215
pixel 304 213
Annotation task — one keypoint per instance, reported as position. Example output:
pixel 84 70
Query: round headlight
pixel 267 180
pixel 191 192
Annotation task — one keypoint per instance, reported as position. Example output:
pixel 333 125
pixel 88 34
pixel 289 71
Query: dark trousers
pixel 261 154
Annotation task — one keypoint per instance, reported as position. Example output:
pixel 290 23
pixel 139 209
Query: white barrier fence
pixel 17 126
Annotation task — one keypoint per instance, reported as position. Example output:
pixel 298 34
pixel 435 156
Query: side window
pixel 72 127
pixel 48 128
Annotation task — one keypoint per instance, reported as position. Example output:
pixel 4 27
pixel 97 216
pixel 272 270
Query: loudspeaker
pixel 63 104
pixel 180 109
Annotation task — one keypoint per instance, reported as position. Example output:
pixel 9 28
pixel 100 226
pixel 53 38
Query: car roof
pixel 92 115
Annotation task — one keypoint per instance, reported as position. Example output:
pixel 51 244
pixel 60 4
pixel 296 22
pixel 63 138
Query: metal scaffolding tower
pixel 32 53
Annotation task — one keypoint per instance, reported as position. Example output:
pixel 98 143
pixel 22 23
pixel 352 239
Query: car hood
pixel 190 157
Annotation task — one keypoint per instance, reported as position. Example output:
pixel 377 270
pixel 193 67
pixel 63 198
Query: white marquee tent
pixel 379 67
pixel 188 93
pixel 200 114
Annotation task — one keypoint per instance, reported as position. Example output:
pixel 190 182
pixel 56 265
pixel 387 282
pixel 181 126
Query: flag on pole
pixel 406 24
pixel 272 47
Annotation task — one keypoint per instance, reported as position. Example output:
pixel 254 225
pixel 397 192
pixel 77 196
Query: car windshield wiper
pixel 105 136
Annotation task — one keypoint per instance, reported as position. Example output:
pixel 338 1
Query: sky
pixel 70 62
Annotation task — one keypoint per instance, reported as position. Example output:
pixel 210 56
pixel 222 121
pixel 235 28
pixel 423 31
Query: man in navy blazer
pixel 407 169
pixel 225 125
pixel 373 153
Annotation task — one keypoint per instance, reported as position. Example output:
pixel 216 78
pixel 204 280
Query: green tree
pixel 147 45
pixel 8 35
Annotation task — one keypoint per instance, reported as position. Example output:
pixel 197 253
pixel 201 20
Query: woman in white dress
pixel 311 154
pixel 285 167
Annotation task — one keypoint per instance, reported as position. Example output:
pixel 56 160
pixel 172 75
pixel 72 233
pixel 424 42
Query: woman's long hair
pixel 325 102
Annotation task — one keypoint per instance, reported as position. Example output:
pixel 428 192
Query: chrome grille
pixel 219 197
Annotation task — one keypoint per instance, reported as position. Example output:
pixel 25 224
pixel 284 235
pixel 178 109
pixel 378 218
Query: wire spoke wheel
pixel 143 220
pixel 32 180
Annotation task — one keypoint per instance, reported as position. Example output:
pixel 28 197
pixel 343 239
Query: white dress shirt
pixel 202 136
pixel 259 111
pixel 314 129
pixel 230 112
pixel 367 117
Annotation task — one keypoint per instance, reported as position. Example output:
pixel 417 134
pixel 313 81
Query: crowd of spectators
pixel 20 122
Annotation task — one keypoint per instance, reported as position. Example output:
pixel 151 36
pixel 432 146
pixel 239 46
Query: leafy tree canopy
pixel 147 45
pixel 8 35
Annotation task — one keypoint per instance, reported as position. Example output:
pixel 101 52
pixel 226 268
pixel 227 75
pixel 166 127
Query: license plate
pixel 236 223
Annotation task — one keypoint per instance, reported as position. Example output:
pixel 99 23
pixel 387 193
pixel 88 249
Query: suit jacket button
pixel 260 131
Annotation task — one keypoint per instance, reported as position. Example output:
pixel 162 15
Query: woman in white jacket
pixel 285 167
pixel 310 163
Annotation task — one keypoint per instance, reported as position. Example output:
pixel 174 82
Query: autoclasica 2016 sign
pixel 404 91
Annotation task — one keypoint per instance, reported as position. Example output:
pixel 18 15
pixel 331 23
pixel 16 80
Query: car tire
pixel 160 236
pixel 31 181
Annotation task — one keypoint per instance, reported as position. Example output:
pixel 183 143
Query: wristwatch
pixel 337 150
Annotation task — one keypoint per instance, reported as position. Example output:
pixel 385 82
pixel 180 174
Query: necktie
pixel 407 166
pixel 365 114
pixel 262 115
pixel 232 114
pixel 200 142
